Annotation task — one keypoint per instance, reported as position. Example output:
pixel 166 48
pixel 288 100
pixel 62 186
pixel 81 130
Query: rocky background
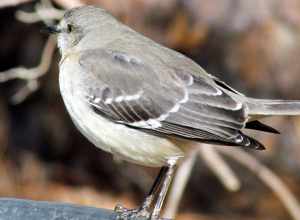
pixel 252 45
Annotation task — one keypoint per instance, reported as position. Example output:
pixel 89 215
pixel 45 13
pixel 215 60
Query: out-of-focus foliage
pixel 253 45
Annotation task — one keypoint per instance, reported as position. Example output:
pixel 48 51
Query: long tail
pixel 267 107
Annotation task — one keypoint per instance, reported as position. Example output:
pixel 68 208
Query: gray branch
pixel 18 209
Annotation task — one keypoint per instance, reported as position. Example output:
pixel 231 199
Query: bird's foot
pixel 131 214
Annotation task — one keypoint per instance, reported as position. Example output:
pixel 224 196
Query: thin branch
pixel 44 11
pixel 64 3
pixel 69 3
pixel 268 177
pixel 36 72
pixel 181 178
pixel 41 15
pixel 9 3
pixel 219 167
pixel 214 161
pixel 30 75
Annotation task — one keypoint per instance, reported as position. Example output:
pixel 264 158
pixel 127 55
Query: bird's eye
pixel 70 28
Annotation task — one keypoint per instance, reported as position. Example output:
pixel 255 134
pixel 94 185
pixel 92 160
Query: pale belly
pixel 126 143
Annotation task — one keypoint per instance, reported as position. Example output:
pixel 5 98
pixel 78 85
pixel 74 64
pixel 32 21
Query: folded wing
pixel 126 90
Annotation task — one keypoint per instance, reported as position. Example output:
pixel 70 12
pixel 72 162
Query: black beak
pixel 51 29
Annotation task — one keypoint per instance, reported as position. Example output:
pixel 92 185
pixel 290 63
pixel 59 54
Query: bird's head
pixel 77 23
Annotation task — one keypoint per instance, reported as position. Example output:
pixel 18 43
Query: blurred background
pixel 254 46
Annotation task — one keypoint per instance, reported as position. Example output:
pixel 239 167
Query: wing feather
pixel 126 90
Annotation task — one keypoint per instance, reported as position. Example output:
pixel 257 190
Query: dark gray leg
pixel 155 187
pixel 144 210
pixel 163 192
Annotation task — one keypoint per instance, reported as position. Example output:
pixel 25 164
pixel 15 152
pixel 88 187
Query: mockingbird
pixel 145 103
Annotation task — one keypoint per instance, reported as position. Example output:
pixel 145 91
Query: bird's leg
pixel 143 211
pixel 155 187
pixel 163 192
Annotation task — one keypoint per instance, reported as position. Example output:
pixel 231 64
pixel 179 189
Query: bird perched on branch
pixel 145 103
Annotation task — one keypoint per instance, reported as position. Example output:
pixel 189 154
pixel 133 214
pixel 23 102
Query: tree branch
pixel 69 3
pixel 30 75
pixel 9 3
pixel 214 161
pixel 268 177
pixel 219 167
pixel 41 14
pixel 63 3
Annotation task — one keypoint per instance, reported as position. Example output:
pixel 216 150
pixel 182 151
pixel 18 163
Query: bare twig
pixel 39 15
pixel 214 161
pixel 179 183
pixel 44 11
pixel 8 3
pixel 219 167
pixel 30 75
pixel 268 177
pixel 64 3
pixel 69 3
pixel 228 178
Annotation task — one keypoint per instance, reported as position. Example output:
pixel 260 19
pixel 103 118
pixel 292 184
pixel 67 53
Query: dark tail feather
pixel 257 125
pixel 250 143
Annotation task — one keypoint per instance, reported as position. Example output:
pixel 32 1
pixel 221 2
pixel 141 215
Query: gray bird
pixel 145 103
